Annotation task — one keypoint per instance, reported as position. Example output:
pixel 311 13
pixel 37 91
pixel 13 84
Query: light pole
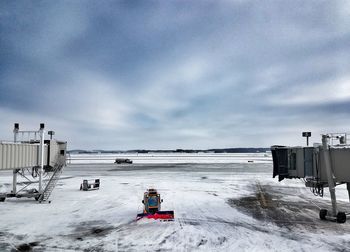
pixel 307 135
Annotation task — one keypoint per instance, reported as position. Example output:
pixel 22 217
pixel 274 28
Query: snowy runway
pixel 218 207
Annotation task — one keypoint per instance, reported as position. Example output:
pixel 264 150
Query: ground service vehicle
pixel 152 203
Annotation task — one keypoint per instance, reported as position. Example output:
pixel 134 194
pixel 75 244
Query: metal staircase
pixel 50 185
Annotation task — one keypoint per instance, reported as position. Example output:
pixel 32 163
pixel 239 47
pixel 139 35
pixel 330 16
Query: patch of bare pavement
pixel 266 204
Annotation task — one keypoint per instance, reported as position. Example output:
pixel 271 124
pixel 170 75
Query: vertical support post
pixel 42 132
pixel 14 181
pixel 14 176
pixel 329 172
pixel 348 187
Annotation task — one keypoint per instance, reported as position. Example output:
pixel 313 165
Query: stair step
pixel 51 183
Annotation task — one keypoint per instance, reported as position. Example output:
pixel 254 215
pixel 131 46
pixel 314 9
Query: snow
pixel 234 206
pixel 173 158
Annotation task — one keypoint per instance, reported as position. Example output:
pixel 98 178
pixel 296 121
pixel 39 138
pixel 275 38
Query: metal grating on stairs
pixel 57 171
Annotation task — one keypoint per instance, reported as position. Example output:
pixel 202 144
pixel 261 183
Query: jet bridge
pixel 18 155
pixel 32 157
pixel 323 165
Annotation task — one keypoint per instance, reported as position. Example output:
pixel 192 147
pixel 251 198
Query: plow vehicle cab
pixel 152 202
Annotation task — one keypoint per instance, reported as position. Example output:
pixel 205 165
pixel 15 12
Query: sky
pixel 124 75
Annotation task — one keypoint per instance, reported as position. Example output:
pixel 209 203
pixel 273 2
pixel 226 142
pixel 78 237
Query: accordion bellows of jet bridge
pixel 18 155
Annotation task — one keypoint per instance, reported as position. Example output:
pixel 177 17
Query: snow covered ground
pixel 173 158
pixel 233 206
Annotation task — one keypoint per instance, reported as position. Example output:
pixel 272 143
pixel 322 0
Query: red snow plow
pixel 151 201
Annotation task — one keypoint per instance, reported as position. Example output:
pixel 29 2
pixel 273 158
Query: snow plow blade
pixel 160 215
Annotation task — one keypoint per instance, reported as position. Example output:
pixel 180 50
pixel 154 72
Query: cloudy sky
pixel 175 74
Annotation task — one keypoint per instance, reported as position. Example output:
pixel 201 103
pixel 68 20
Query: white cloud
pixel 176 74
pixel 95 100
pixel 330 91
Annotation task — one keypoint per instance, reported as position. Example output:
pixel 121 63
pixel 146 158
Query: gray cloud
pixel 181 74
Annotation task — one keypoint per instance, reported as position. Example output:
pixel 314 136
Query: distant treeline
pixel 226 150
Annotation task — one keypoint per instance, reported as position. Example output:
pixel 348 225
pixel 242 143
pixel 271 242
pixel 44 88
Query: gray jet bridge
pixel 38 161
pixel 323 165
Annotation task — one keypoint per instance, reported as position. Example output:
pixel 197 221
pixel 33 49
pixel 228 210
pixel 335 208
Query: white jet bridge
pixel 323 165
pixel 38 161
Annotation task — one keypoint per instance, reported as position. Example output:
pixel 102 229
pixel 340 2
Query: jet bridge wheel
pixel 323 214
pixel 341 217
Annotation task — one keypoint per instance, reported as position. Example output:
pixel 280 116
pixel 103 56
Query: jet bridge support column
pixel 14 178
pixel 14 181
pixel 329 172
pixel 42 136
